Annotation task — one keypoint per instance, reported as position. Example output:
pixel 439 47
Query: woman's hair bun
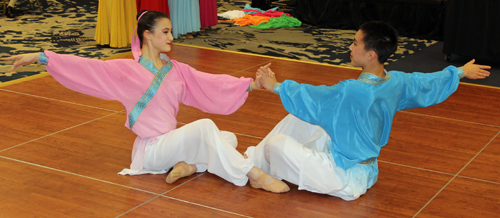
pixel 139 14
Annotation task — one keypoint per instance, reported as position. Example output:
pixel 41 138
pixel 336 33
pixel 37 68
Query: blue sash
pixel 152 89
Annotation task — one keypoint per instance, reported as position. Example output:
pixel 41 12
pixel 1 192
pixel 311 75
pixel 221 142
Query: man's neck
pixel 375 69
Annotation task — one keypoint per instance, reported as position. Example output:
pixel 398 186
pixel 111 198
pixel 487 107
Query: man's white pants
pixel 203 144
pixel 296 151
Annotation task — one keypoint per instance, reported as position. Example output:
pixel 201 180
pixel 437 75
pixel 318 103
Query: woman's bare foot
pixel 260 179
pixel 181 169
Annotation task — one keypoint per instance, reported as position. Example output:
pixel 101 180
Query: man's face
pixel 359 56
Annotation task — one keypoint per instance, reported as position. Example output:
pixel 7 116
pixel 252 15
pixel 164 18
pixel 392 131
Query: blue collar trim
pixel 152 89
pixel 372 79
pixel 148 64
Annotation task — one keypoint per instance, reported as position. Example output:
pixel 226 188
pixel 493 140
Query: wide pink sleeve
pixel 213 93
pixel 88 76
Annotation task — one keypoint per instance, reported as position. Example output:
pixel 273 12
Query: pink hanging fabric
pixel 266 14
pixel 136 43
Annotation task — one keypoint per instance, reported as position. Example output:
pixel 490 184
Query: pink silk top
pixel 126 80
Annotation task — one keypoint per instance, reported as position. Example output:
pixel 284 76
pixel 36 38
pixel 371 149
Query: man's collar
pixel 372 79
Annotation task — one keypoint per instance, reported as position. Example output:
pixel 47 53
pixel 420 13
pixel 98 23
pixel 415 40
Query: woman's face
pixel 161 37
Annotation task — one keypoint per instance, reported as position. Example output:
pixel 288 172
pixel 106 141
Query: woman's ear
pixel 147 35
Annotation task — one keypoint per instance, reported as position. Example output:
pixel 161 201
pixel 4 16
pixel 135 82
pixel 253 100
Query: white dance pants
pixel 296 151
pixel 203 144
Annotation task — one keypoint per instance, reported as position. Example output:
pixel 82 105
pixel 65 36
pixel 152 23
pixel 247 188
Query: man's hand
pixel 474 71
pixel 266 80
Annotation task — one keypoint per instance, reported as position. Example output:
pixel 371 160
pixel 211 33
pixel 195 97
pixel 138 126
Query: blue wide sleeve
pixel 308 102
pixel 427 89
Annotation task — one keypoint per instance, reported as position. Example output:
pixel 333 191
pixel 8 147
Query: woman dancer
pixel 151 87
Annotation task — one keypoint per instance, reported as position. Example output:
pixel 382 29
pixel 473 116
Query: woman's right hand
pixel 23 59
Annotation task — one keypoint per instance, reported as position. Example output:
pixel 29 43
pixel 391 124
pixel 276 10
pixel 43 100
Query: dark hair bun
pixel 139 14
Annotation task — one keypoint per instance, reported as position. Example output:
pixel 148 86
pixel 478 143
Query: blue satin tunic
pixel 358 114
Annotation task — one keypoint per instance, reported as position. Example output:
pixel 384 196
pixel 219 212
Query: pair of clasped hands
pixel 265 78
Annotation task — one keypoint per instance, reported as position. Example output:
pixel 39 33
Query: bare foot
pixel 181 169
pixel 260 179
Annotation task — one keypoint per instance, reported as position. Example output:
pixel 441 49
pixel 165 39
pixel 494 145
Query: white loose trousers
pixel 297 152
pixel 203 144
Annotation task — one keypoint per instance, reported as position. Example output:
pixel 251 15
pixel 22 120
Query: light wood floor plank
pixel 436 144
pixel 166 207
pixel 214 61
pixel 24 118
pixel 465 198
pixel 486 165
pixel 31 191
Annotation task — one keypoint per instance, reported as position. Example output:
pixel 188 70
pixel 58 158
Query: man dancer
pixel 330 142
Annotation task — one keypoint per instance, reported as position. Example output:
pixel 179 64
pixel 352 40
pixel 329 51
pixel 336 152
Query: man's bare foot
pixel 181 169
pixel 260 179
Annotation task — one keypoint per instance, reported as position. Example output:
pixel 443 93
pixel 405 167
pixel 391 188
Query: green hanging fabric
pixel 279 22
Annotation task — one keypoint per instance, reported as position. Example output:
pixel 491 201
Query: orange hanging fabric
pixel 251 20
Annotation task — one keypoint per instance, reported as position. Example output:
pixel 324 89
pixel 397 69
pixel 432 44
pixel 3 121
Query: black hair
pixel 381 38
pixel 147 22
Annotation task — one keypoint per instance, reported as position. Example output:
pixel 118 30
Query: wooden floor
pixel 61 151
